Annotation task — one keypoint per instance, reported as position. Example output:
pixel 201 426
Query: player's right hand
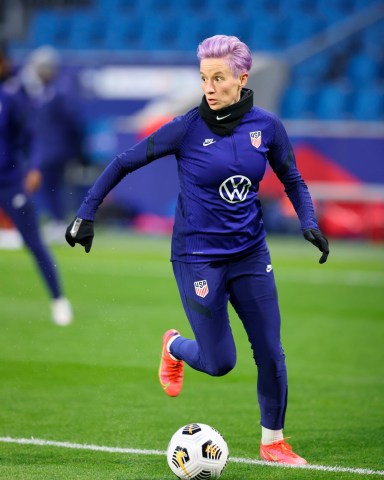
pixel 80 231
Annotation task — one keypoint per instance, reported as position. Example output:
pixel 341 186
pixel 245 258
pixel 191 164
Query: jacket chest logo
pixel 235 189
pixel 255 138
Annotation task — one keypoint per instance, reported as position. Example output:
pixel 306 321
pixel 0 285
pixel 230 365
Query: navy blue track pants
pixel 20 210
pixel 248 283
pixel 50 197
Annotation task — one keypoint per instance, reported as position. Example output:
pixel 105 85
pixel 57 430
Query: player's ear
pixel 243 78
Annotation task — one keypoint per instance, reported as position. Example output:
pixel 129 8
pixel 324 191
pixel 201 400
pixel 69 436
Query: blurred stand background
pixel 130 66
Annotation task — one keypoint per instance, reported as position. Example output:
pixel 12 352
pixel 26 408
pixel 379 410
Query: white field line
pixel 135 451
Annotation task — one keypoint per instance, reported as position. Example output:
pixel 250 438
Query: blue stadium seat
pixel 368 104
pixel 313 70
pixel 360 4
pixel 271 6
pixel 160 9
pixel 362 69
pixel 87 31
pixel 49 28
pixel 240 27
pixel 194 29
pixel 236 9
pixel 303 27
pixel 196 7
pixel 119 7
pixel 268 33
pixel 335 10
pixel 162 35
pixel 124 33
pixel 300 5
pixel 128 7
pixel 331 102
pixel 372 39
pixel 298 102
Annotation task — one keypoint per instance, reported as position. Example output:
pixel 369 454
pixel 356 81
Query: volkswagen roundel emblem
pixel 235 189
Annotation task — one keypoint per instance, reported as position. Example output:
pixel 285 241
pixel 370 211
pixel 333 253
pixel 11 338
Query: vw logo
pixel 235 189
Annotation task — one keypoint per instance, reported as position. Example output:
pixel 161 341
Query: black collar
pixel 224 121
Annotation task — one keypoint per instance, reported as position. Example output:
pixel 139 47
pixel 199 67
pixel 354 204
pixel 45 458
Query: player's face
pixel 220 87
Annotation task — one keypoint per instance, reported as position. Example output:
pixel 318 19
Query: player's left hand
pixel 33 181
pixel 318 239
pixel 80 231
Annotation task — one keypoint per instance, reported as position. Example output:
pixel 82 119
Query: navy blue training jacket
pixel 218 211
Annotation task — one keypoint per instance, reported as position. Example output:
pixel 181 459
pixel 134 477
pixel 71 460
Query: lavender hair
pixel 221 46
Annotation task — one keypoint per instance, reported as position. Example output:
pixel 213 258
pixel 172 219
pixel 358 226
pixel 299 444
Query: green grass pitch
pixel 95 382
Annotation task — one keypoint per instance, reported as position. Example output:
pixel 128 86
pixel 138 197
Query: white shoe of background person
pixel 10 239
pixel 61 312
pixel 53 232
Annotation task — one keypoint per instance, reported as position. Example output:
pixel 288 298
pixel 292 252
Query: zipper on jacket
pixel 236 157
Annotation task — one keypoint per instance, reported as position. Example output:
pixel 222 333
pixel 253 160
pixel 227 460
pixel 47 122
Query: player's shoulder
pixel 263 114
pixel 186 122
pixel 186 118
pixel 269 120
pixel 191 116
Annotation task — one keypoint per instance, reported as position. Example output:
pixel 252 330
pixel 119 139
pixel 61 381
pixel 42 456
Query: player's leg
pixel 254 297
pixel 50 196
pixel 20 209
pixel 205 301
pixel 22 213
pixel 50 199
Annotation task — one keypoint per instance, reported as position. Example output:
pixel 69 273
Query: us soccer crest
pixel 201 288
pixel 255 138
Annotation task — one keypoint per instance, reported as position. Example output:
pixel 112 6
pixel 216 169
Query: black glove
pixel 318 239
pixel 80 231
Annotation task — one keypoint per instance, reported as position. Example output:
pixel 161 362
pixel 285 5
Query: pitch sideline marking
pixel 100 448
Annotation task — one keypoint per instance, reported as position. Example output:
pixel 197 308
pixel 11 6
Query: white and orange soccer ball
pixel 197 452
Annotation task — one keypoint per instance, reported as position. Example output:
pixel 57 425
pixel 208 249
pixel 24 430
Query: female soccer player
pixel 219 252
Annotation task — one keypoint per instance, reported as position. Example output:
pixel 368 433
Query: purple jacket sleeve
pixel 164 141
pixel 282 160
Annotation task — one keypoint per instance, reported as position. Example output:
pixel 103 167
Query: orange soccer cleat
pixel 171 370
pixel 280 452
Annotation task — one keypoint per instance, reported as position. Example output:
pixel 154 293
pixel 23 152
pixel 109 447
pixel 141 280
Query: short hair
pixel 221 46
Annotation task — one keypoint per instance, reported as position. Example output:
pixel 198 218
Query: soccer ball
pixel 197 452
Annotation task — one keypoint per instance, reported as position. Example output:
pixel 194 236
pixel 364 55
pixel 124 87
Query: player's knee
pixel 275 366
pixel 222 368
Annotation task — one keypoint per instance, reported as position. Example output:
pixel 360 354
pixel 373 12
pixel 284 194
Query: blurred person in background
pixel 57 137
pixel 219 251
pixel 18 180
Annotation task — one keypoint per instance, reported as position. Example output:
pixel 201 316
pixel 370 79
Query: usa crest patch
pixel 201 288
pixel 255 138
